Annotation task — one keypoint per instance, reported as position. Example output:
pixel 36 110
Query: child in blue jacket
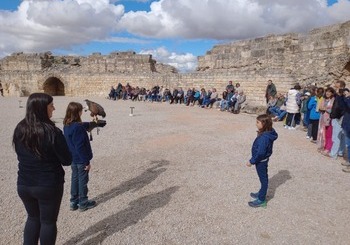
pixel 261 151
pixel 75 132
pixel 314 118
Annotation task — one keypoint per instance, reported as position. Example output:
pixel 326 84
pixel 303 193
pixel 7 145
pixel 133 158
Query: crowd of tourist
pixel 231 99
pixel 42 148
pixel 322 112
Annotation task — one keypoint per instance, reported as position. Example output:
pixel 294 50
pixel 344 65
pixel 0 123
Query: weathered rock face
pixel 321 56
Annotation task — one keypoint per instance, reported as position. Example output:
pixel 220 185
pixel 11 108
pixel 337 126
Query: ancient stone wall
pixel 320 56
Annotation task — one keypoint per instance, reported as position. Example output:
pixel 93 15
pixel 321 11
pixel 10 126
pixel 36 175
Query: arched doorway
pixel 54 87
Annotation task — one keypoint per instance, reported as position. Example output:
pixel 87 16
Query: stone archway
pixel 54 87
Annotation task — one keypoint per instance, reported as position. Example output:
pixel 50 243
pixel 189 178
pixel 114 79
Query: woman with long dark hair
pixel 41 151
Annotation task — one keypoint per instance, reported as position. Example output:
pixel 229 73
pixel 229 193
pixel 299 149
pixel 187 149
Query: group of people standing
pixel 42 149
pixel 324 113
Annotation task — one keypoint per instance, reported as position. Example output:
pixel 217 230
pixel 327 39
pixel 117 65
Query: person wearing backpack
pixel 338 137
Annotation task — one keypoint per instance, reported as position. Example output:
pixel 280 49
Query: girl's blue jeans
pixel 79 188
pixel 261 169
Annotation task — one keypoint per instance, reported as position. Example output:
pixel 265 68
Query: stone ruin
pixel 321 56
pixel 22 74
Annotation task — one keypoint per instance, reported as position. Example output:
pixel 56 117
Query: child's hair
pixel 72 113
pixel 320 91
pixel 330 89
pixel 266 121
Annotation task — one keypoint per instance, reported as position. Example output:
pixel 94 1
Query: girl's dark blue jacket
pixel 78 142
pixel 262 146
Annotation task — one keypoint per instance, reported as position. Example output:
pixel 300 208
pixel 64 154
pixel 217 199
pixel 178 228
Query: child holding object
pixel 261 151
pixel 75 132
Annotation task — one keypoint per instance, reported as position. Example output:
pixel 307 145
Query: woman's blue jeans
pixel 79 188
pixel 261 169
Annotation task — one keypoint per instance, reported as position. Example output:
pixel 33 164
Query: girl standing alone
pixel 261 151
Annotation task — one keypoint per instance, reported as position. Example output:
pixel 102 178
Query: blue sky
pixel 173 31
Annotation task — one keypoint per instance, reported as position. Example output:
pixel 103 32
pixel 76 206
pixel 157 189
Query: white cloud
pixel 182 62
pixel 39 25
pixel 340 11
pixel 124 40
pixel 232 19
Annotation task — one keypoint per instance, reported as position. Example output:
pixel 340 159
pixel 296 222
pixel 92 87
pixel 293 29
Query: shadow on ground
pixel 136 183
pixel 277 180
pixel 136 211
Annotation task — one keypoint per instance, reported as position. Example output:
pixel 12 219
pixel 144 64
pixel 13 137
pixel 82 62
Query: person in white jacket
pixel 293 107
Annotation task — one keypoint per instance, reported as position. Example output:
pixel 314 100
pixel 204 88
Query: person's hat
pixel 307 93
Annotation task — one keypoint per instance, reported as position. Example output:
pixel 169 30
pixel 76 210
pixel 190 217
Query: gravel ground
pixel 173 174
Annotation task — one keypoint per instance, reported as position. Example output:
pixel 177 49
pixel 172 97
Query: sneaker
pixel 325 153
pixel 73 206
pixel 333 157
pixel 88 205
pixel 291 128
pixel 285 126
pixel 346 169
pixel 254 195
pixel 308 137
pixel 257 203
pixel 345 164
